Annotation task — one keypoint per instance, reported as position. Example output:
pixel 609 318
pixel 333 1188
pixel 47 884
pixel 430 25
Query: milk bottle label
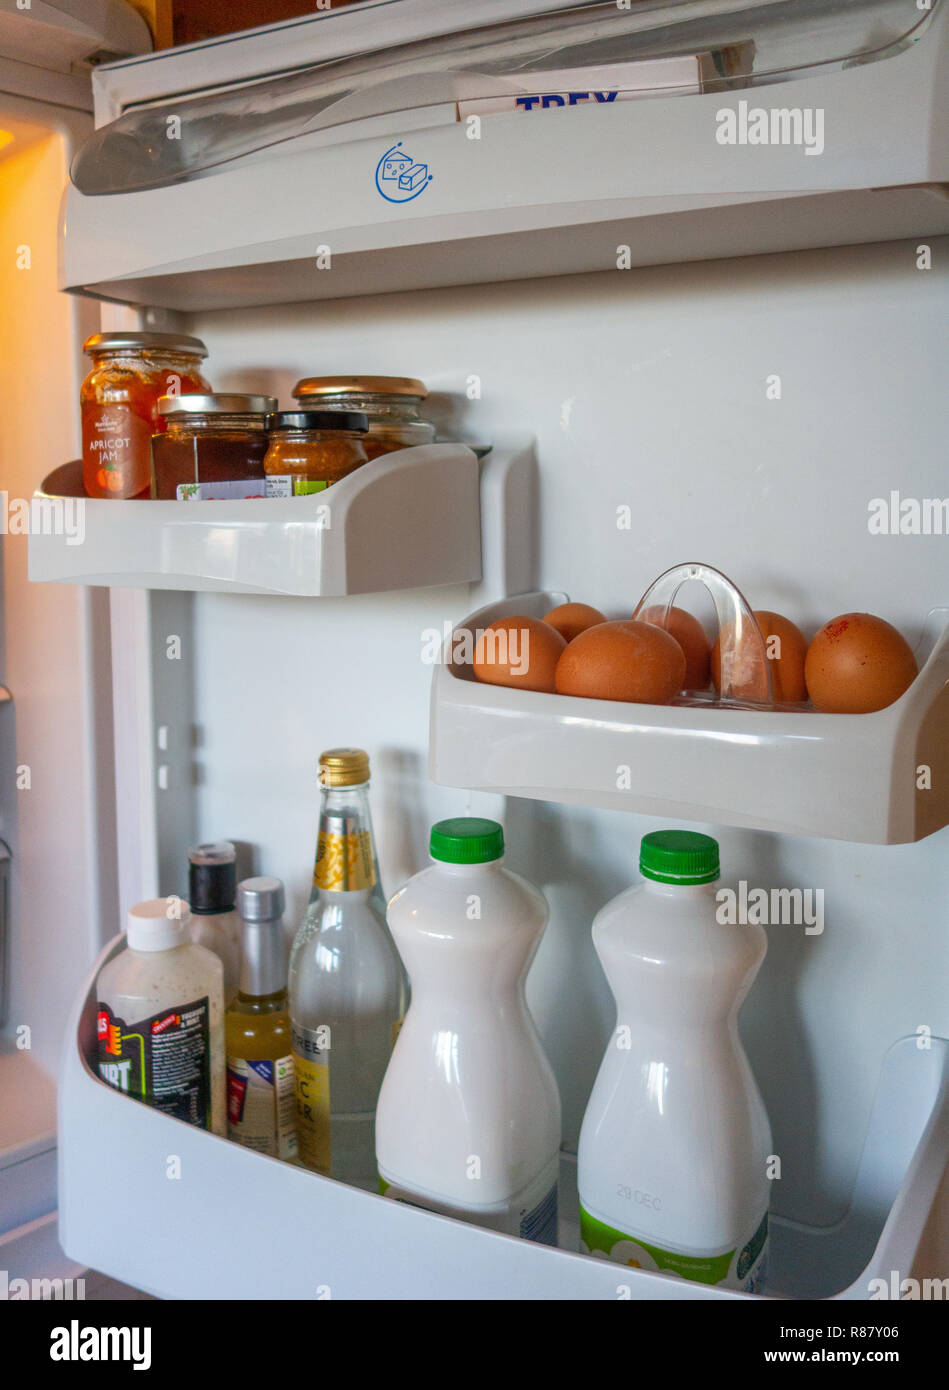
pixel 525 1216
pixel 164 1060
pixel 743 1267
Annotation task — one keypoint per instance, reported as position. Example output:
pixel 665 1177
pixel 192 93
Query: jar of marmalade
pixel 312 449
pixel 119 400
pixel 391 404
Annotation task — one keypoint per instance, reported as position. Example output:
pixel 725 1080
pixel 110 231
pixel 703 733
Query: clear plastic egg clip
pixel 745 669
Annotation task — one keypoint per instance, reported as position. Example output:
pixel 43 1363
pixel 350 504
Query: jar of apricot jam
pixel 119 400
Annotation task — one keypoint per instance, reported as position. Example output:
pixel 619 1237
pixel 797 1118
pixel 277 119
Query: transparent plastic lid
pixel 745 670
pixel 676 47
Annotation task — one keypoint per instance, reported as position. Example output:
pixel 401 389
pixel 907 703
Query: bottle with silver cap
pixel 161 1017
pixel 347 985
pixel 260 1090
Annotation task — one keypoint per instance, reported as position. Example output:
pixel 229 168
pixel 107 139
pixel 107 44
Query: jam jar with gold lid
pixel 119 404
pixel 391 404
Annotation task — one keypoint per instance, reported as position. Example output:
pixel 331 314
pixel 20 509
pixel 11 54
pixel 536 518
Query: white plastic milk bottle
pixel 468 1121
pixel 672 1163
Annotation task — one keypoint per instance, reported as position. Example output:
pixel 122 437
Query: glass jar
pixel 312 449
pixel 390 402
pixel 213 447
pixel 119 399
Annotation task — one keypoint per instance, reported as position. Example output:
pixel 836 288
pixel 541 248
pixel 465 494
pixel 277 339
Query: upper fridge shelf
pixel 407 520
pixel 878 778
pixel 417 168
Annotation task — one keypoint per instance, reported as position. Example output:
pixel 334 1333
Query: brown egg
pixel 690 635
pixel 857 664
pixel 520 652
pixel 570 619
pixel 630 660
pixel 785 649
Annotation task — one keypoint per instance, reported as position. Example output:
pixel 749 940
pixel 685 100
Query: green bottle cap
pixel 679 856
pixel 466 840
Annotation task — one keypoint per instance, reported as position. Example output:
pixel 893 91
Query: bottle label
pixel 164 1060
pixel 312 1091
pixel 261 1106
pixel 529 1219
pixel 742 1267
pixel 344 862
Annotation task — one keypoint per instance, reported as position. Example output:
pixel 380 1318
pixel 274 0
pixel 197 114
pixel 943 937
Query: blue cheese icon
pixel 399 177
pixel 394 165
pixel 413 177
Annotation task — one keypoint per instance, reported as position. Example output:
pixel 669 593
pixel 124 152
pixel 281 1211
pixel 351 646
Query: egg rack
pixel 880 778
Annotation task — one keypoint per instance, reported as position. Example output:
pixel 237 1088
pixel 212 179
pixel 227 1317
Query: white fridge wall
pixel 647 389
pixel 60 827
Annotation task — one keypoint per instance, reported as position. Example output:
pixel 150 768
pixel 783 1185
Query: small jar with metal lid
pixel 119 404
pixel 312 449
pixel 213 447
pixel 391 404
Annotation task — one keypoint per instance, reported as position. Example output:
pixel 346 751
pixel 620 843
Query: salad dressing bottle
pixel 160 1021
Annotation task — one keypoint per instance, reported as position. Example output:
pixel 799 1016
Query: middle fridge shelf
pixel 842 776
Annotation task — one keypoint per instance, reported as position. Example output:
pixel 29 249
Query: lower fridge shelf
pixel 226 1223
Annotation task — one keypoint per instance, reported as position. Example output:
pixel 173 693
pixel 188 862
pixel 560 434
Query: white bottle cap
pixel 158 924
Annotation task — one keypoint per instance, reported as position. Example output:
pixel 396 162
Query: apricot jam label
pixel 116 445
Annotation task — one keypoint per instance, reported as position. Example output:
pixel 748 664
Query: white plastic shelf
pixel 551 194
pixel 407 520
pixel 302 1236
pixel 838 776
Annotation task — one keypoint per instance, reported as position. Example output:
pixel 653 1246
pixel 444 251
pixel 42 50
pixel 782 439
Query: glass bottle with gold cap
pixel 347 984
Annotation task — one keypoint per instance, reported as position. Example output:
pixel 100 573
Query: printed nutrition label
pixel 164 1060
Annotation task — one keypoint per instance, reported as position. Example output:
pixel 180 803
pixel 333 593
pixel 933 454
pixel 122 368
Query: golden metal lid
pixel 344 767
pixel 144 342
pixel 359 386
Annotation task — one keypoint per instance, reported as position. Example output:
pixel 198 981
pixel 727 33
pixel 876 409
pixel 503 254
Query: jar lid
pixel 319 420
pixel 217 405
pixel 466 840
pixel 679 856
pixel 117 342
pixel 359 385
pixel 344 767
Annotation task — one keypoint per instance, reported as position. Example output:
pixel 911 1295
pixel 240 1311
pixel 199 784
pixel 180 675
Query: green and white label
pixel 741 1267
